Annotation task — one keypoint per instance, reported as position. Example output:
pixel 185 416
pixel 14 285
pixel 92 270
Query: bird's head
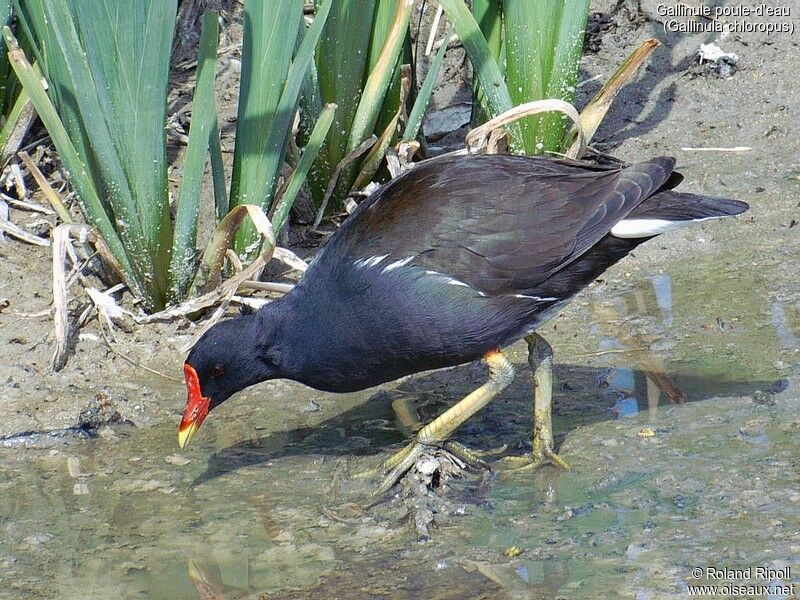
pixel 229 357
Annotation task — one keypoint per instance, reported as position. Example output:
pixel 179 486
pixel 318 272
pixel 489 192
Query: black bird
pixel 447 263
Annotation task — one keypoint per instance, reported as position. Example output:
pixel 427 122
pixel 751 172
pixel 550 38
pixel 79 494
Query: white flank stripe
pixel 639 228
pixel 451 281
pixel 539 298
pixel 370 262
pixel 397 264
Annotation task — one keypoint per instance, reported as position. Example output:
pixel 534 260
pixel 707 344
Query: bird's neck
pixel 278 331
pixel 300 343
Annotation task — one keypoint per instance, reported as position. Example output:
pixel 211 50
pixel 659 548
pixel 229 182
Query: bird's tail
pixel 667 210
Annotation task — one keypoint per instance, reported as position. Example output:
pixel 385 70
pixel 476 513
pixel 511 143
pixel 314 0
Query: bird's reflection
pixel 645 375
pixel 662 286
pixel 206 577
pixel 786 337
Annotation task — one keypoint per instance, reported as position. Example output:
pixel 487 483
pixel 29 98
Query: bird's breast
pixel 379 318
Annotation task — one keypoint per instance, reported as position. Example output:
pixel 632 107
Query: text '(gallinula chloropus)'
pixel 447 263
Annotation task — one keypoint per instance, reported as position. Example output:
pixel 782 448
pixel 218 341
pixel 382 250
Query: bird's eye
pixel 218 370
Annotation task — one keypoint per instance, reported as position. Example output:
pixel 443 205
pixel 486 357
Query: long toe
pixel 529 462
pixel 389 464
pixel 397 465
pixel 473 458
pixel 450 458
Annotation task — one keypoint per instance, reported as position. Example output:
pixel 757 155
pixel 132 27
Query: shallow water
pixel 264 502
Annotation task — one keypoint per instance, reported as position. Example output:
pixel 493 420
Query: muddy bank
pixel 671 106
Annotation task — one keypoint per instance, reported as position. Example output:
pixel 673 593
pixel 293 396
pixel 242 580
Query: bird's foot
pixel 396 466
pixel 530 462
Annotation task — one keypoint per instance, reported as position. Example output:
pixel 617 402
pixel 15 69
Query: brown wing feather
pixel 499 223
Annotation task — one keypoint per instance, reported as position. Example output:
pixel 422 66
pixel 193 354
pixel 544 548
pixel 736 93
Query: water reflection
pixel 207 580
pixel 527 578
pixel 644 378
pixel 643 368
pixel 662 285
pixel 783 329
pixel 625 407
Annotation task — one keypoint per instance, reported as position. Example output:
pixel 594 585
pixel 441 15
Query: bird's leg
pixel 437 432
pixel 409 423
pixel 406 415
pixel 540 358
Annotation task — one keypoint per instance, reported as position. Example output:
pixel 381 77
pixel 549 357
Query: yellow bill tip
pixel 186 434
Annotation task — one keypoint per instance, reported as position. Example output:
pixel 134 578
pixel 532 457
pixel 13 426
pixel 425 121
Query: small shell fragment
pixel 428 465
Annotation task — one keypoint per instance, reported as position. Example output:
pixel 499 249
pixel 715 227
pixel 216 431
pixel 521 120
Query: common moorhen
pixel 445 264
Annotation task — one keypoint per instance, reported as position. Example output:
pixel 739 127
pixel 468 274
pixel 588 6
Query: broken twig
pixel 52 197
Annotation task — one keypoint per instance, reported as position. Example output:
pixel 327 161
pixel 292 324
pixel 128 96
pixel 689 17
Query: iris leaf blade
pixel 200 132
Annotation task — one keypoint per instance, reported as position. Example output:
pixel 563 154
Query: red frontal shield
pixel 197 407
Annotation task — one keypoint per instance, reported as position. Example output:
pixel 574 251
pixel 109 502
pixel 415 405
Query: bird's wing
pixel 498 223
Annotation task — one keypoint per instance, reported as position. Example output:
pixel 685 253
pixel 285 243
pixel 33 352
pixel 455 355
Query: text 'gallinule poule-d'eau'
pixel 447 263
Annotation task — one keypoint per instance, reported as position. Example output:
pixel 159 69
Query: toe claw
pixel 394 474
pixel 394 467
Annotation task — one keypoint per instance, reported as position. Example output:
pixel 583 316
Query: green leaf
pixel 15 126
pixel 498 99
pixel 300 173
pixel 377 152
pixel 374 95
pixel 221 200
pixel 270 88
pixel 107 66
pixel 489 16
pixel 8 81
pixel 544 41
pixel 381 27
pixel 128 47
pixel 377 83
pixel 424 95
pixel 342 63
pixel 200 130
pixel 93 208
pixel 74 94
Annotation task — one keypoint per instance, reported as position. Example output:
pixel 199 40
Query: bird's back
pixel 499 223
pixel 458 256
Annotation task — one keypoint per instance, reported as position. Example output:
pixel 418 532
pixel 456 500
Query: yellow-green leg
pixel 406 416
pixel 540 359
pixel 436 433
pixel 408 422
